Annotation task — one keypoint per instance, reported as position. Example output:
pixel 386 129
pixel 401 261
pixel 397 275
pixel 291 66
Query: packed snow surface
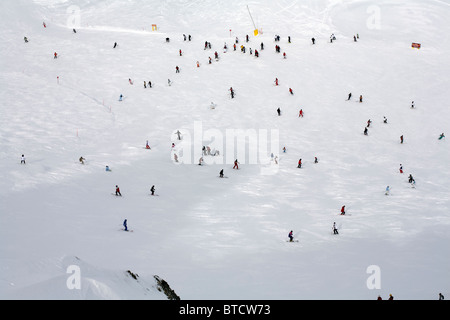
pixel 213 238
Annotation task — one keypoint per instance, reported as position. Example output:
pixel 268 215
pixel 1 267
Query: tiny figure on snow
pixel 401 139
pixel 284 149
pixel 147 146
pixel 391 297
pixel 299 163
pixel 178 133
pixel 343 210
pixel 55 55
pixel 368 123
pixel 441 136
pixel 120 97
pixel 313 40
pixel 25 39
pixel 262 46
pixel 316 160
pixel 412 105
pixel 130 81
pixel 279 111
pixel 335 230
pixel 291 236
pixel 200 161
pixel 384 119
pixel 232 92
pixel 108 169
pixel 125 225
pixel 276 81
pixel 82 160
pixel 366 131
pixel 181 53
pixel 169 82
pixel 411 179
pixel 152 190
pixel 291 92
pixel 360 98
pixel 22 160
pixel 198 64
pixel 401 168
pixel 221 173
pixel 145 84
pixel 236 164
pixel 300 114
pixel 284 55
pixel 118 191
pixel 349 96
pixel 354 38
pixel 387 191
pixel 115 45
pixel 177 69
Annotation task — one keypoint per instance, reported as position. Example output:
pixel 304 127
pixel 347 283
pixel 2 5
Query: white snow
pixel 212 238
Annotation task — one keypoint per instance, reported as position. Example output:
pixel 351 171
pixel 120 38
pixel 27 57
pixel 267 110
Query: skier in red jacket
pixel 343 210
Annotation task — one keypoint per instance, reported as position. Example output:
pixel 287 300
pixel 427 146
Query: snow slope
pixel 212 238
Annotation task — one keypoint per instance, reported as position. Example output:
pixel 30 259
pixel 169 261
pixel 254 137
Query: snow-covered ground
pixel 213 238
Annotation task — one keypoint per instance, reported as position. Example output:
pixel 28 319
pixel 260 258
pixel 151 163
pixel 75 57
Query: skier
pixel 152 190
pixel 441 296
pixel 411 179
pixel 354 38
pixel 216 55
pixel 147 146
pixel 412 105
pixel 82 160
pixel 291 236
pixel 55 56
pixel 284 149
pixel 289 39
pixel 365 131
pixel 290 91
pixel 385 120
pixel 335 230
pixel 349 96
pixel 200 161
pixel 279 111
pixel 301 113
pixel 401 139
pixel 316 160
pixel 74 31
pixel 401 168
pixel 115 45
pixel 107 169
pixel 284 55
pixel 130 81
pixel 262 46
pixel 236 165
pixel 120 97
pixel 221 173
pixel 368 123
pixel 299 163
pixel 232 92
pixel 360 98
pixel 181 53
pixel 313 40
pixel 177 70
pixel 391 297
pixel 256 53
pixel 145 84
pixel 118 191
pixel 276 81
pixel 178 133
pixel 43 23
pixel 184 36
pixel 198 64
pixel 22 161
pixel 441 136
pixel 125 225
pixel 169 82
pixel 25 39
pixel 387 190
pixel 343 210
